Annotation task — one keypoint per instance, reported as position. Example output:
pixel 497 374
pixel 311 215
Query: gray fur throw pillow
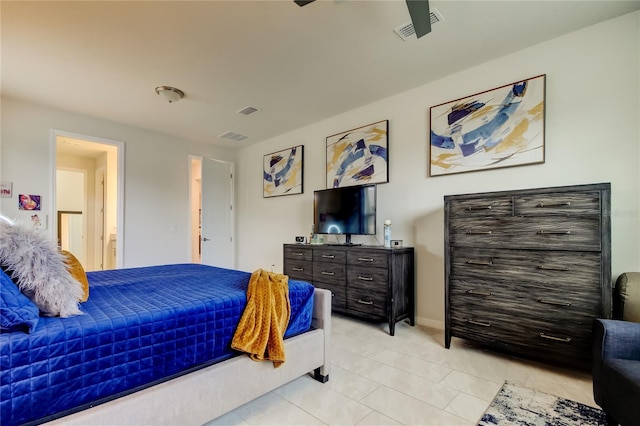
pixel 37 267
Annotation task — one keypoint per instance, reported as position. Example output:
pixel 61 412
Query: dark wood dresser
pixel 368 282
pixel 528 271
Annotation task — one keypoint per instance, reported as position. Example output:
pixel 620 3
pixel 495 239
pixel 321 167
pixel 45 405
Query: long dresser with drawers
pixel 369 282
pixel 528 271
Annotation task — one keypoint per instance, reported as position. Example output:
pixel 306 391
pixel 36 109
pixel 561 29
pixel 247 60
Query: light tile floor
pixel 407 379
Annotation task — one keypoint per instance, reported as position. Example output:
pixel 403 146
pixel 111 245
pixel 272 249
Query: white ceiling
pixel 296 65
pixel 81 148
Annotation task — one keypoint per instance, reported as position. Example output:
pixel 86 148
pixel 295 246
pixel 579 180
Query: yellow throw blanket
pixel 260 332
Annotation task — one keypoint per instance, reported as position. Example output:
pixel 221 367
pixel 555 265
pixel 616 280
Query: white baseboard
pixel 430 322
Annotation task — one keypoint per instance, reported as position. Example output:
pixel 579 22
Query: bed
pixel 153 347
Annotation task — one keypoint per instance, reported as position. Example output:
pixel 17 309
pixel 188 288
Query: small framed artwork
pixel 501 127
pixel 359 156
pixel 6 189
pixel 28 202
pixel 39 221
pixel 283 173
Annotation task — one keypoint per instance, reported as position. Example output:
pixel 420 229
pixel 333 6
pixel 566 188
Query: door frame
pixel 232 216
pixel 54 134
pixel 100 251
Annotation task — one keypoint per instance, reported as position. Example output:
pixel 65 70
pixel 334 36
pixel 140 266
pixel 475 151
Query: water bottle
pixel 387 233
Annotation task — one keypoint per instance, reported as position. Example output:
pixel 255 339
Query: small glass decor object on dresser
pixel 387 233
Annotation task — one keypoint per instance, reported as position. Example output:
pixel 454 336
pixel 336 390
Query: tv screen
pixel 348 211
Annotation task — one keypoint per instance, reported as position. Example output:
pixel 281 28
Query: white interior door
pixel 218 246
pixel 71 233
pixel 76 237
pixel 71 196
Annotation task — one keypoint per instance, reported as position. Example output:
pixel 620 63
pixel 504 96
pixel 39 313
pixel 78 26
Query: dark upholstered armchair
pixel 616 370
pixel 616 356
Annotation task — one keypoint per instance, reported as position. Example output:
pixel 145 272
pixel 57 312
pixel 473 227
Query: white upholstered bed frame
pixel 201 396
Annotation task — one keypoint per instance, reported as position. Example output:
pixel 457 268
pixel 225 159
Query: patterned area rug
pixel 517 405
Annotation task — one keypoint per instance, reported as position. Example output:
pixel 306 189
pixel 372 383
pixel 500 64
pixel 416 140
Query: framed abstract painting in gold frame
pixel 501 127
pixel 282 172
pixel 359 156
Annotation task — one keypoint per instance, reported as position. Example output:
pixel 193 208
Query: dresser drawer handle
pixel 365 259
pixel 298 269
pixel 480 262
pixel 361 278
pixel 554 268
pixel 471 208
pixel 328 256
pixel 298 254
pixel 328 273
pixel 484 324
pixel 554 302
pixel 478 232
pixel 541 232
pixel 557 339
pixel 479 293
pixel 364 302
pixel 550 206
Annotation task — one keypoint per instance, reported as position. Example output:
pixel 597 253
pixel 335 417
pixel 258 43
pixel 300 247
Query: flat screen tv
pixel 345 211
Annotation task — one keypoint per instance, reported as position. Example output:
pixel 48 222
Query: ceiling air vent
pixel 233 136
pixel 406 31
pixel 247 110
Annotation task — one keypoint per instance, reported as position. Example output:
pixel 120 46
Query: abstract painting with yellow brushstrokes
pixel 502 127
pixel 358 156
pixel 282 172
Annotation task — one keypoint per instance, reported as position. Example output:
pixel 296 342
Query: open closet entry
pixel 88 199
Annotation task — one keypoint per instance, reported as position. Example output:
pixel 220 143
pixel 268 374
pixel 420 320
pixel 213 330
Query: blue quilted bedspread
pixel 142 325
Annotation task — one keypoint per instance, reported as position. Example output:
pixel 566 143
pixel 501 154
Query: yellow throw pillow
pixel 77 271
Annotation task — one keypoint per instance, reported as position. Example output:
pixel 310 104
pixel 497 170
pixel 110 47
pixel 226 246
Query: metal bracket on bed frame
pixel 319 376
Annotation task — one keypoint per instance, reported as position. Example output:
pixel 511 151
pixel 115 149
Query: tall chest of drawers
pixel 528 271
pixel 369 282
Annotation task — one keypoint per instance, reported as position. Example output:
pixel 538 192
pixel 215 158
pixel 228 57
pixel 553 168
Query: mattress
pixel 140 327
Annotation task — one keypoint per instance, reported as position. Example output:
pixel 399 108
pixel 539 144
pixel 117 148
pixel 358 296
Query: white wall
pixel 156 199
pixel 592 136
pixel 71 197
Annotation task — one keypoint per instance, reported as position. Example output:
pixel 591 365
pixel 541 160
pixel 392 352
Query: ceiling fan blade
pixel 420 16
pixel 303 2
